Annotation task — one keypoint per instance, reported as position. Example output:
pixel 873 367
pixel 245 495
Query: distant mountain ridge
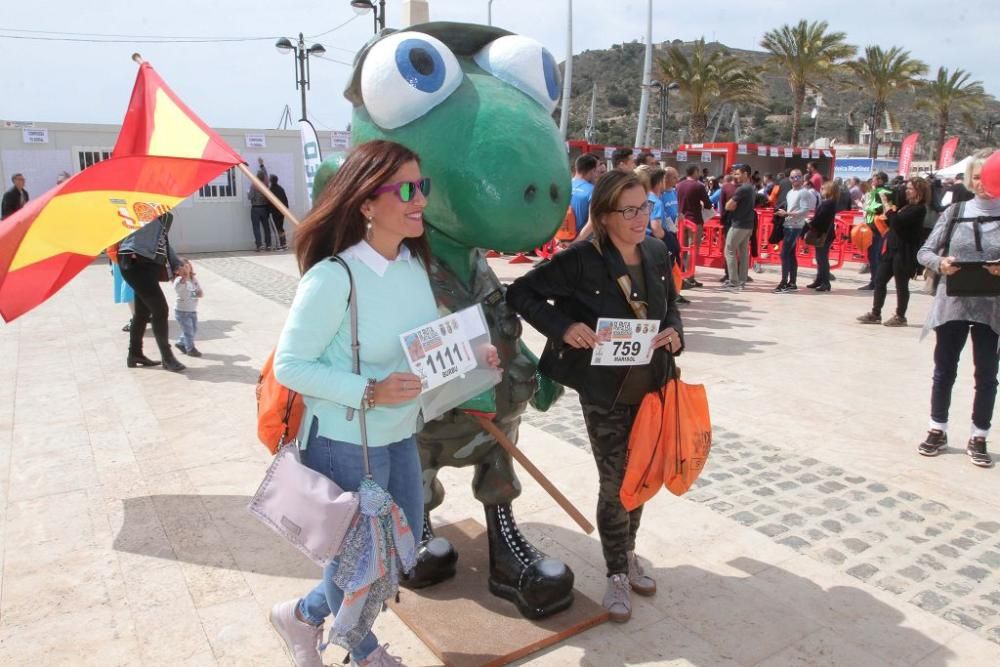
pixel 617 71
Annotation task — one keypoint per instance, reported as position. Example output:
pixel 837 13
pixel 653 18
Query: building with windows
pixel 216 218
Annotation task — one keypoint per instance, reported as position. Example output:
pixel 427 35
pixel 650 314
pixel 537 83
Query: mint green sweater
pixel 313 356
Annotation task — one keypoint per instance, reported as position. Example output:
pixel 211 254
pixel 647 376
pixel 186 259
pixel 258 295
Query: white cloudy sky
pixel 247 84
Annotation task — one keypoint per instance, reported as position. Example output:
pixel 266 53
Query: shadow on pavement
pixel 771 613
pixel 229 370
pixel 709 314
pixel 210 530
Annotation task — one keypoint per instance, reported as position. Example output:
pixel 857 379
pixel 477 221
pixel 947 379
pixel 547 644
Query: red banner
pixel 948 149
pixel 906 154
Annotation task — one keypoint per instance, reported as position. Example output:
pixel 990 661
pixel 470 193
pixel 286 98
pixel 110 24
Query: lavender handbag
pixel 305 507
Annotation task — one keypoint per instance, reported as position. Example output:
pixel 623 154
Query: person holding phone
pixel 621 274
pixel 967 232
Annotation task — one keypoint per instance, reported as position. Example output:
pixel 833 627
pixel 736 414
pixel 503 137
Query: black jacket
pixel 278 192
pixel 583 285
pixel 12 202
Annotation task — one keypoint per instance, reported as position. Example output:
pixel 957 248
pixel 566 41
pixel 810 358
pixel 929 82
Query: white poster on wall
pixel 30 136
pixel 762 151
pixel 706 157
pixel 255 140
pixel 682 156
pixel 340 140
pixel 775 151
pixel 608 152
pixel 789 152
pixel 741 149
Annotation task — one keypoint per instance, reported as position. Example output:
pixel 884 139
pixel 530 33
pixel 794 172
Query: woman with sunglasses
pixel 371 215
pixel 620 274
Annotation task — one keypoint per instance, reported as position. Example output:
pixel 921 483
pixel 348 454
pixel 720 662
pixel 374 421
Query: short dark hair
pixel 274 179
pixel 741 166
pixel 620 155
pixel 16 176
pixel 882 176
pixel 656 175
pixel 585 163
pixel 693 169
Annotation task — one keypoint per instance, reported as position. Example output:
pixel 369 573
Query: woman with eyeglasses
pixel 620 274
pixel 371 215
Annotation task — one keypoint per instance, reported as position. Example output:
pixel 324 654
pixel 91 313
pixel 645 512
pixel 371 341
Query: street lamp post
pixel 284 45
pixel 366 5
pixel 489 12
pixel 664 93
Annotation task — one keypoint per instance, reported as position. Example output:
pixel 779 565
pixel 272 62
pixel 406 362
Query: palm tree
pixel 708 79
pixel 882 73
pixel 809 55
pixel 950 93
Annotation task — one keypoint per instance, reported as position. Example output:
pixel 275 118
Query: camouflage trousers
pixel 609 430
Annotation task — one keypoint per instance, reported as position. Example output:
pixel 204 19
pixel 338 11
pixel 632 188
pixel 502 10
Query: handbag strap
pixel 352 305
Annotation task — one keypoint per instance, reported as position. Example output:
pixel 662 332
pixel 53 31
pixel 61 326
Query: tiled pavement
pixel 940 557
pixel 815 537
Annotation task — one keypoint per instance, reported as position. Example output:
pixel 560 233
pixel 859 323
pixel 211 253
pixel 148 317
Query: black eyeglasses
pixel 406 190
pixel 630 212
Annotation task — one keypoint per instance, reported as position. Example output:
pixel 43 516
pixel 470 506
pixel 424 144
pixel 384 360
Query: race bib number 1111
pixel 440 351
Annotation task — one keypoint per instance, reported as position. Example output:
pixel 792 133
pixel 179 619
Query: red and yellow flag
pixel 163 155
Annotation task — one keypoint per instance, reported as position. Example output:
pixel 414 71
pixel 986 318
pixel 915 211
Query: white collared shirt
pixel 370 257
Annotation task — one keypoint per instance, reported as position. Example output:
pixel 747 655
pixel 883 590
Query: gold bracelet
pixel 369 397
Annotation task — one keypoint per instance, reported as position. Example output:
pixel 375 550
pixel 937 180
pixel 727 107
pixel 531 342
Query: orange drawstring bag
pixel 669 443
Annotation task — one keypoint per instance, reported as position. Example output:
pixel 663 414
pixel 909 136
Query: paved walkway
pixel 816 536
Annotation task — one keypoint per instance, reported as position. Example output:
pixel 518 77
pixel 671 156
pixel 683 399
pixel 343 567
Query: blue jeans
pixel 396 468
pixel 789 262
pixel 189 327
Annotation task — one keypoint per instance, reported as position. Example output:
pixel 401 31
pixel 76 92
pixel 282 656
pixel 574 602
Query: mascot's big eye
pixel 525 64
pixel 406 75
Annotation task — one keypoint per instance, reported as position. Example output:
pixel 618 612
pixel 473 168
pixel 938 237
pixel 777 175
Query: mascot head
pixel 475 103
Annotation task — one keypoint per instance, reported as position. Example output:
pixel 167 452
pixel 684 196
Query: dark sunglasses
pixel 406 190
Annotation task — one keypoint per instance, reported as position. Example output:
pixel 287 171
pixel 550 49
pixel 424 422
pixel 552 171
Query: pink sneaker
pixel 302 639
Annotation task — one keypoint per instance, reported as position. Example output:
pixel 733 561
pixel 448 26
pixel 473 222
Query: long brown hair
pixel 335 222
pixel 605 197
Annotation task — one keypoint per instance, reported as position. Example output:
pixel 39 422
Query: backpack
pixel 279 409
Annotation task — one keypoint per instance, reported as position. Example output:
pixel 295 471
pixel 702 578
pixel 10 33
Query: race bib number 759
pixel 624 342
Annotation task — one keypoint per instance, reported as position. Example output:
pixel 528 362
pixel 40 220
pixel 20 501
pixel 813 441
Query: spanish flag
pixel 163 155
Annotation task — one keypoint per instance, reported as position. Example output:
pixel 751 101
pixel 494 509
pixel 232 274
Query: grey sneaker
pixel 617 600
pixel 976 449
pixel 380 658
pixel 935 442
pixel 302 639
pixel 641 583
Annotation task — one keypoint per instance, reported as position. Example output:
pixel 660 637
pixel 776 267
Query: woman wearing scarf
pixel 967 232
pixel 371 215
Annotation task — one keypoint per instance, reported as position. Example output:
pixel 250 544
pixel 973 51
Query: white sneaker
pixel 617 598
pixel 302 639
pixel 380 658
pixel 641 583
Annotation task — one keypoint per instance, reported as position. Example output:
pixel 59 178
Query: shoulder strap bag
pixel 305 507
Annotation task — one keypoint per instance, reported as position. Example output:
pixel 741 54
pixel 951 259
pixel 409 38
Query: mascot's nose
pixel 532 190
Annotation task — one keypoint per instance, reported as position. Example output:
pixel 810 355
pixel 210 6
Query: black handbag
pixel 814 238
pixel 777 234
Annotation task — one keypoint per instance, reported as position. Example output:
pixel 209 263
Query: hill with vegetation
pixel 617 72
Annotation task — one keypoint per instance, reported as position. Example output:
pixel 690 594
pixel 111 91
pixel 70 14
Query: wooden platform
pixel 467 626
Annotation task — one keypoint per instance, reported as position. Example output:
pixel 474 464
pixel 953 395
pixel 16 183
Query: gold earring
pixel 369 229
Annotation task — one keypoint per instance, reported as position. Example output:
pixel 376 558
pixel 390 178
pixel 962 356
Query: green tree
pixel 950 93
pixel 881 74
pixel 705 80
pixel 808 54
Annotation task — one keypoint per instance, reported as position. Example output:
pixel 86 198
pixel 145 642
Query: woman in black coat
pixel 823 224
pixel 622 274
pixel 900 251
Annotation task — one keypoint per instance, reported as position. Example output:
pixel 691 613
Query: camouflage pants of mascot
pixel 519 572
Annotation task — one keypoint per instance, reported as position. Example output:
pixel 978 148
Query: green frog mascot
pixel 475 102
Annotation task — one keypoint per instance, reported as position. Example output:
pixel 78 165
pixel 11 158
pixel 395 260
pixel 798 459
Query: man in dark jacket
pixel 692 197
pixel 15 198
pixel 277 217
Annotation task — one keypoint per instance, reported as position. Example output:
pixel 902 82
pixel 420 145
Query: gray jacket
pixel 144 241
pixel 982 309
